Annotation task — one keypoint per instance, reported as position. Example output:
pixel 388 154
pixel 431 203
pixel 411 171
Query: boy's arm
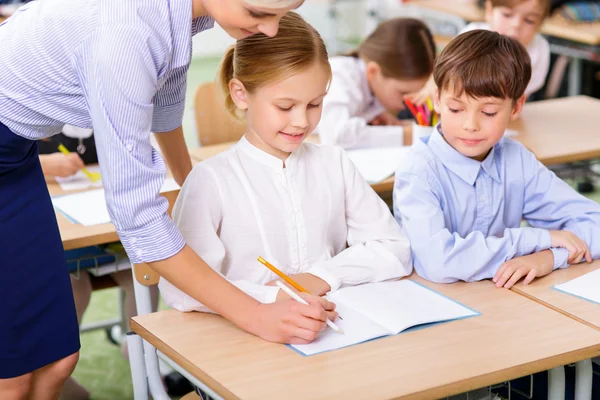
pixel 441 255
pixel 550 203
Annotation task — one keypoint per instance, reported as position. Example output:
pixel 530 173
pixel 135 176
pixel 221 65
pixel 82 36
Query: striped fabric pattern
pixel 118 66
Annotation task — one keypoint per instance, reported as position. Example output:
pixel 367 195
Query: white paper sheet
pixel 86 208
pixel 79 181
pixel 586 286
pixel 399 305
pixel 377 164
pixel 380 309
pixel 357 329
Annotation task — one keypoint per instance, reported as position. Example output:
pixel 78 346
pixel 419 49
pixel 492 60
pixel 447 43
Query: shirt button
pixel 133 240
pixel 129 147
pixel 139 253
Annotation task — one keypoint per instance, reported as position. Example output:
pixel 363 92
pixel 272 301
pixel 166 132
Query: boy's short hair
pixel 483 63
pixel 544 4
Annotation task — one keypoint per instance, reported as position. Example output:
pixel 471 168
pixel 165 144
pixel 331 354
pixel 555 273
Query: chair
pixel 214 125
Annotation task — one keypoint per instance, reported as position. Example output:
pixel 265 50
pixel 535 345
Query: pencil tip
pixel 340 331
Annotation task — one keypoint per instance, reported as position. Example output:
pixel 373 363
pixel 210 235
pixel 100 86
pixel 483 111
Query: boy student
pixel 461 194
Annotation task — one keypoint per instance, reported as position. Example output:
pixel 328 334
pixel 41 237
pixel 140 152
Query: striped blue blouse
pixel 119 66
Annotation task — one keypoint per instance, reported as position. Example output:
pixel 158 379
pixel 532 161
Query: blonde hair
pixel 260 60
pixel 271 3
pixel 402 47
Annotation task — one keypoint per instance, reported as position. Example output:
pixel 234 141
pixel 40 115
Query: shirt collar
pixel 265 158
pixel 464 167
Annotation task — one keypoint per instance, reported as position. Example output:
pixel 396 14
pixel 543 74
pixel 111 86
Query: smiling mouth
pixel 292 134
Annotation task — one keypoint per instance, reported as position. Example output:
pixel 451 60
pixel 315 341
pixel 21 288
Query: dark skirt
pixel 38 323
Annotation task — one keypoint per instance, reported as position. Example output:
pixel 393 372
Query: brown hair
pixel 544 4
pixel 483 63
pixel 402 47
pixel 259 60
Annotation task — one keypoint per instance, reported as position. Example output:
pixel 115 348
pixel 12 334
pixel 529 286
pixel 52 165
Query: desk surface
pixel 541 290
pixel 556 25
pixel 560 130
pixel 512 337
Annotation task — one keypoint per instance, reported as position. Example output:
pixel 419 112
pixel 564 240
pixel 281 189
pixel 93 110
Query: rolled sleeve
pixel 169 102
pixel 153 242
pixel 118 71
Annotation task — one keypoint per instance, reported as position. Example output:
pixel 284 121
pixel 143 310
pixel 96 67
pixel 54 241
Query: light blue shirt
pixel 463 217
pixel 118 66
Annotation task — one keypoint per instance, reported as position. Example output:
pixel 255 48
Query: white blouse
pixel 349 106
pixel 316 215
pixel 539 53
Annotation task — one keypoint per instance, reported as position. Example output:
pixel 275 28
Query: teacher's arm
pixel 175 152
pixel 118 68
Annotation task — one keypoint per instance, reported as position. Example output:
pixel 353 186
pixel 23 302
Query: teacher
pixel 120 67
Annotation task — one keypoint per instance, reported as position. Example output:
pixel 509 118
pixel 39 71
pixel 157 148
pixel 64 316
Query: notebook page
pixel 586 286
pixel 357 329
pixel 377 164
pixel 79 180
pixel 399 305
pixel 86 208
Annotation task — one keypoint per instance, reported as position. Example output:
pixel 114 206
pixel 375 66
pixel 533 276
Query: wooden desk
pixel 555 25
pixel 561 130
pixel 512 337
pixel 541 290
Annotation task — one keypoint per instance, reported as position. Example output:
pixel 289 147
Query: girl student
pixel 303 207
pixel 369 84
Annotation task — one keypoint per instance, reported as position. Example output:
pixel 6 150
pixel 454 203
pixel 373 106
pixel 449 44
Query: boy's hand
pixel 313 284
pixel 530 266
pixel 578 249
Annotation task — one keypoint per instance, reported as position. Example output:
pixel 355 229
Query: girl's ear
pixel 373 70
pixel 238 94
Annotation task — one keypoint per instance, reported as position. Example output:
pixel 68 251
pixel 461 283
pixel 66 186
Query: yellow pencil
pixel 94 176
pixel 282 275
pixel 286 278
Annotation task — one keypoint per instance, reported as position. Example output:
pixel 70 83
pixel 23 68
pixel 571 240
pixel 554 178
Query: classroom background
pixel 343 24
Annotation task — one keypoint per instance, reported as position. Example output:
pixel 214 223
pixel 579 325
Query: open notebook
pixel 586 286
pixel 89 208
pixel 376 310
pixel 377 164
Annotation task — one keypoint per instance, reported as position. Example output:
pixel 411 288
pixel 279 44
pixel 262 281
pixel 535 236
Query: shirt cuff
pixel 561 257
pixel 167 118
pixel 156 241
pixel 320 271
